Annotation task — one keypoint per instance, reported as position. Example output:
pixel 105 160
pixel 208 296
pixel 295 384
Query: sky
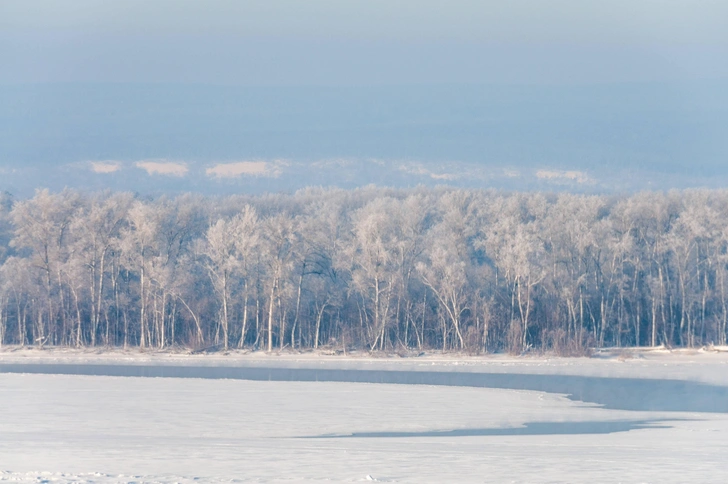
pixel 353 42
pixel 226 95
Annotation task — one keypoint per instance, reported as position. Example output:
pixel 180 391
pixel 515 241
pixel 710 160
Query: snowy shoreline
pixel 699 365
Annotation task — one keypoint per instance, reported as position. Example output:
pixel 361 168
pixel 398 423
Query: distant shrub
pixel 564 345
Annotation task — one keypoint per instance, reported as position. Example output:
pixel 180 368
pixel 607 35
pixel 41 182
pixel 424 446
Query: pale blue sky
pixel 631 94
pixel 328 42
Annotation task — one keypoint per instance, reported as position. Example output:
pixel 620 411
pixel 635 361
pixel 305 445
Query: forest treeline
pixel 371 268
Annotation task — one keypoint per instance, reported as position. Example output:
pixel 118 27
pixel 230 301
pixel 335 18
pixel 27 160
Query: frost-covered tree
pixel 371 268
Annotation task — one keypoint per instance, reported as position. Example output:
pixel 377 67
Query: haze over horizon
pixel 268 96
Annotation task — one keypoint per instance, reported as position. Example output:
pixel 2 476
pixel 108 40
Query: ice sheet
pixel 59 428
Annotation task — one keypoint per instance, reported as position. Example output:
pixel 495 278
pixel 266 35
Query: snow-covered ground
pixel 70 428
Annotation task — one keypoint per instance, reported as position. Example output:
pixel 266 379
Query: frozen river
pixel 504 426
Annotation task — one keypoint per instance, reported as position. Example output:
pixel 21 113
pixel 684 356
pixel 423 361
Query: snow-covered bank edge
pixel 708 365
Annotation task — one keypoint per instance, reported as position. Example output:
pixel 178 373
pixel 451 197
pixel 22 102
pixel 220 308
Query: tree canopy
pixel 371 268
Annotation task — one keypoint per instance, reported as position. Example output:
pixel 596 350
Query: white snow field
pixel 104 429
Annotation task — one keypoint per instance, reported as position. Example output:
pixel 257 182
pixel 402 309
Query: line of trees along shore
pixel 371 268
